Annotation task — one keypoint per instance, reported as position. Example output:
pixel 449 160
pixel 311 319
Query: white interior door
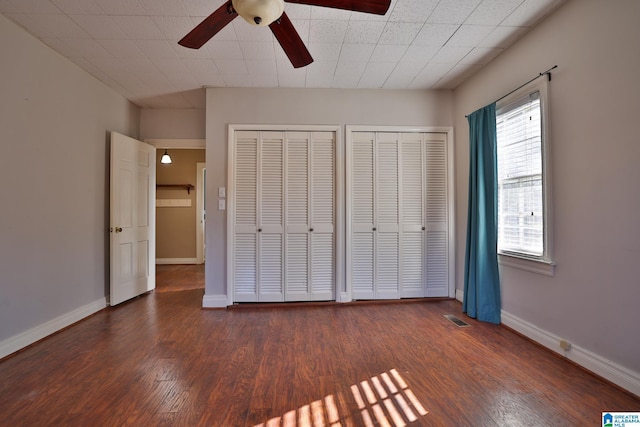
pixel 132 218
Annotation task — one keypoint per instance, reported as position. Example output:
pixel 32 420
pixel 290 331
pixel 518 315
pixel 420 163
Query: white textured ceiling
pixel 131 45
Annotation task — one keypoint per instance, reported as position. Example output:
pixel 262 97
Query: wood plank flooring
pixel 162 360
pixel 170 278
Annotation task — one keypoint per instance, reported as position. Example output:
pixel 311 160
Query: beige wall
pixel 176 226
pixel 298 107
pixel 54 131
pixel 163 123
pixel 592 301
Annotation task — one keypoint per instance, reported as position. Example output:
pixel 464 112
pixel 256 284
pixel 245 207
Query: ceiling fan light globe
pixel 266 11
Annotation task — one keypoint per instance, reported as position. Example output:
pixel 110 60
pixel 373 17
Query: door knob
pixel 118 229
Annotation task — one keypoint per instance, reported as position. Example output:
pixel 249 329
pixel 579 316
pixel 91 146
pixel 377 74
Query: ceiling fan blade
pixel 290 40
pixel 379 7
pixel 209 27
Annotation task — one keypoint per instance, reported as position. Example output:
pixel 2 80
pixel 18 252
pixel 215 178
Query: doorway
pixel 180 202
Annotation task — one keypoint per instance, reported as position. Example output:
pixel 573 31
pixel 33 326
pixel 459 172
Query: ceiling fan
pixel 271 13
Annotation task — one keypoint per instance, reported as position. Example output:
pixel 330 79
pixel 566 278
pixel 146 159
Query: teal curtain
pixel 481 279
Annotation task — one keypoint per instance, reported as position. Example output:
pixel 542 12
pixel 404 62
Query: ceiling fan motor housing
pixel 259 12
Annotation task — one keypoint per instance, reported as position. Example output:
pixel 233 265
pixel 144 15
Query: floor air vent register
pixel 453 319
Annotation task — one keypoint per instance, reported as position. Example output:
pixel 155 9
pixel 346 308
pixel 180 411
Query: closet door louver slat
pixel 271 284
pixel 362 265
pixel 245 267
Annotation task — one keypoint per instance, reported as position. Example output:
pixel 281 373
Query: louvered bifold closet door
pixel 258 217
pixel 437 241
pixel 413 225
pixel 398 242
pixel 245 265
pixel 323 214
pixel 387 217
pixel 270 217
pixel 310 216
pixel 297 217
pixel 362 215
pixel 375 244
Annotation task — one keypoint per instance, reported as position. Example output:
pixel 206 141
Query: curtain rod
pixel 544 73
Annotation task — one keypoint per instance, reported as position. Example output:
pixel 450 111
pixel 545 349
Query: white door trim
pixel 200 219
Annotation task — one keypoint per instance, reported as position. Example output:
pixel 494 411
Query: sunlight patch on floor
pixel 385 400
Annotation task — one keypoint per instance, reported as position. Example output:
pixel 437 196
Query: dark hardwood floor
pixel 170 278
pixel 162 360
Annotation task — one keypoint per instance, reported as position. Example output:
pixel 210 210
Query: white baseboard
pixel 611 371
pixel 20 341
pixel 595 363
pixel 176 261
pixel 214 301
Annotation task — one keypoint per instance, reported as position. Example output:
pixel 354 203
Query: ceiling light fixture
pixel 166 158
pixel 259 12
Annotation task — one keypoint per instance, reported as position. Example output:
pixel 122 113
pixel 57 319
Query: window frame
pixel 543 264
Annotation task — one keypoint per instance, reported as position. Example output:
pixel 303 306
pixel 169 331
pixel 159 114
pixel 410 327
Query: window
pixel 524 222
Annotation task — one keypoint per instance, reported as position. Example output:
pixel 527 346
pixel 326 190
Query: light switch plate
pixel 222 205
pixel 222 192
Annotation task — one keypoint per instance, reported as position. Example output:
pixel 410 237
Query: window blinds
pixel 520 206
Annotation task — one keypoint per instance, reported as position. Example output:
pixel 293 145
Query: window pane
pixel 520 207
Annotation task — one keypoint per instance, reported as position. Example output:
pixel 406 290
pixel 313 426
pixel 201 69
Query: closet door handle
pixel 259 230
pixel 374 229
pixel 424 228
pixel 311 229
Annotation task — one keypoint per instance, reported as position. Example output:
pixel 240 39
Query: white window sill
pixel 537 266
